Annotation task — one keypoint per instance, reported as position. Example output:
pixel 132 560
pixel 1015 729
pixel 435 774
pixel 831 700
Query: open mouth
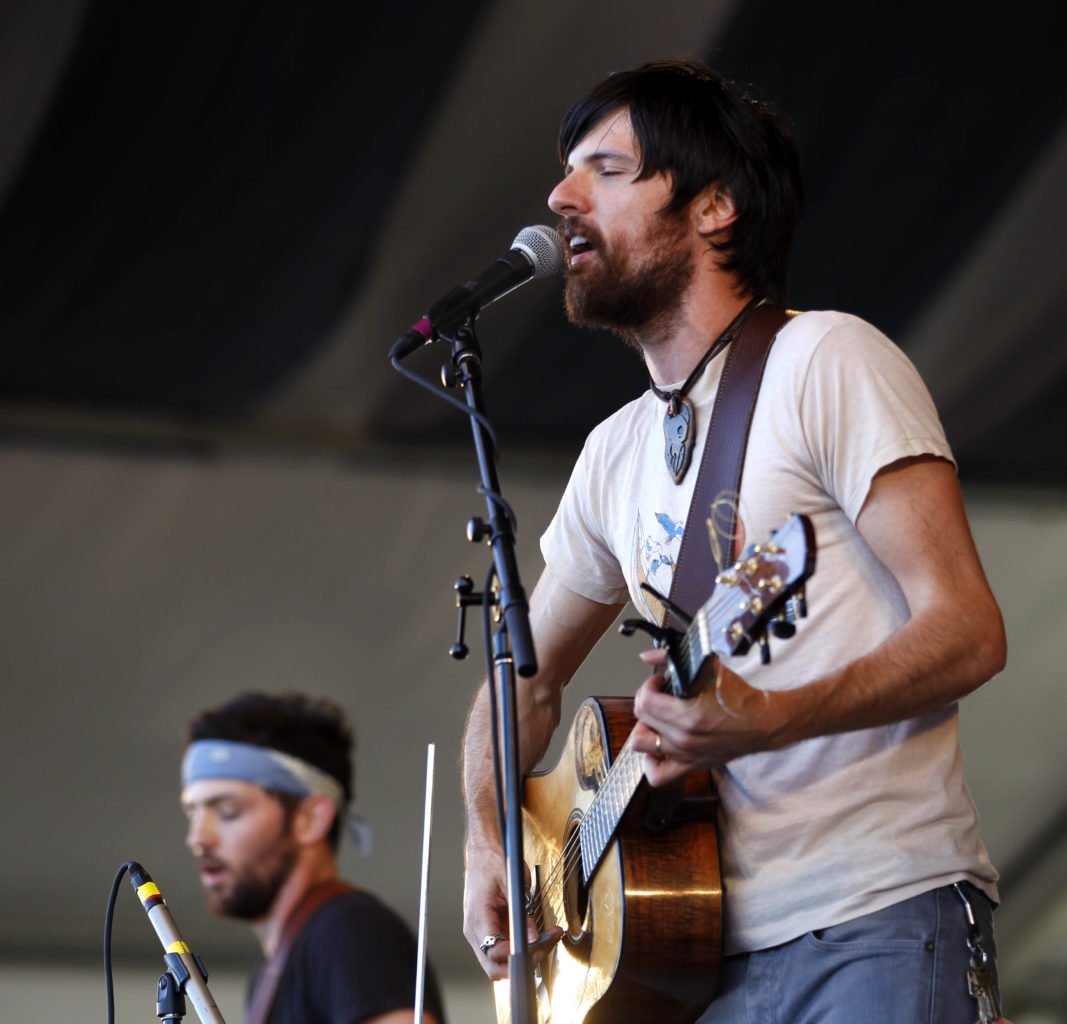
pixel 578 245
pixel 211 873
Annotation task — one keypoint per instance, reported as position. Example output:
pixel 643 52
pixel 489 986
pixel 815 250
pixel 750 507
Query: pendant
pixel 679 428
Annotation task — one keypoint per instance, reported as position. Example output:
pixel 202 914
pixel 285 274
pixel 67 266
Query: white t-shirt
pixel 837 826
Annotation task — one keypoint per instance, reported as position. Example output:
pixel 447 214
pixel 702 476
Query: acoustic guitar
pixel 630 873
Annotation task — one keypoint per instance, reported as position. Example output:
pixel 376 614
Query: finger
pixel 493 951
pixel 655 656
pixel 654 707
pixel 646 740
pixel 545 943
pixel 661 771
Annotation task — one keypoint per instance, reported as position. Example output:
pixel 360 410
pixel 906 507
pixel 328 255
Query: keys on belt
pixel 981 978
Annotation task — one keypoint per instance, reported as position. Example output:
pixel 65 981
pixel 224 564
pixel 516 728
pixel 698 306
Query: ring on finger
pixel 491 940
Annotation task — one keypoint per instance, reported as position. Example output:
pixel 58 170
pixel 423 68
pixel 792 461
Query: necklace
pixel 679 420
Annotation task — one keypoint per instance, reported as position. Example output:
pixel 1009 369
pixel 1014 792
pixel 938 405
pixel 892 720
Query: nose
pixel 198 836
pixel 568 197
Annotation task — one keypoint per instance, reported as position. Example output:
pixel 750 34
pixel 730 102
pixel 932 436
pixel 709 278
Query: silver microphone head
pixel 544 249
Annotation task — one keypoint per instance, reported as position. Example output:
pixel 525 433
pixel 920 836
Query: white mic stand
pixel 185 973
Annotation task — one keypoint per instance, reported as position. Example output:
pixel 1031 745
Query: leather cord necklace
pixel 679 419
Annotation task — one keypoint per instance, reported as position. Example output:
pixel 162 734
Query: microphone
pixel 536 252
pixel 183 963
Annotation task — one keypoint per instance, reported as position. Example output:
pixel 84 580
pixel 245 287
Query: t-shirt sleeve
pixel 863 407
pixel 575 545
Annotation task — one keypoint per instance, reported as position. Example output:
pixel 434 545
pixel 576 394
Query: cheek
pixel 241 839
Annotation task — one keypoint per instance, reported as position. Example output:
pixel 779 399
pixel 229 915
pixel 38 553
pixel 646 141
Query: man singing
pixel 849 845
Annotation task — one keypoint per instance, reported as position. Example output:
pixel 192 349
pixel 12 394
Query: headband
pixel 273 770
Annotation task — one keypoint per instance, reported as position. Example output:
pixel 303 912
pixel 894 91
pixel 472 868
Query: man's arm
pixel 914 522
pixel 565 627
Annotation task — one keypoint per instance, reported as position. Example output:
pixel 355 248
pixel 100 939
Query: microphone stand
pixel 513 650
pixel 185 974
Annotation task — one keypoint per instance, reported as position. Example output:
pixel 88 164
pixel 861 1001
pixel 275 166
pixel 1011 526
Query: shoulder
pixel 828 330
pixel 826 351
pixel 354 960
pixel 357 912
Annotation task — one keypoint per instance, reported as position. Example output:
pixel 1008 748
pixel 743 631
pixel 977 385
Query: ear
pixel 713 210
pixel 313 819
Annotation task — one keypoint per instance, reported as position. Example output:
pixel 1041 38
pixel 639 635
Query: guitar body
pixel 643 943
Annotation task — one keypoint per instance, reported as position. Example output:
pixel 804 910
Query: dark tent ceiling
pixel 205 193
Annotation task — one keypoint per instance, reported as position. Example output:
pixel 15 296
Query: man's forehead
pixel 206 791
pixel 613 134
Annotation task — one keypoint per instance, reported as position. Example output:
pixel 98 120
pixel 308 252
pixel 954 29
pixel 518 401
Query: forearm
pixel 537 718
pixel 953 640
pixel 935 658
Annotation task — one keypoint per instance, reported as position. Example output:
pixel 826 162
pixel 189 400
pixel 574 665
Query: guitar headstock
pixel 761 593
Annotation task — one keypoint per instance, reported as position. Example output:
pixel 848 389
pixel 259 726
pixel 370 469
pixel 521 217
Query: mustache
pixel 570 226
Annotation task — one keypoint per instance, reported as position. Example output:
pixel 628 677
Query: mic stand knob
pixel 465 595
pixel 478 530
pixel 170 1002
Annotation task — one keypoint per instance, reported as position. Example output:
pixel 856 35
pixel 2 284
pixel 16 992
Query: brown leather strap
pixel 267 982
pixel 718 484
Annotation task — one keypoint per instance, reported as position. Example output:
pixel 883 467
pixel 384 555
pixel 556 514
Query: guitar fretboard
pixel 608 806
pixel 625 775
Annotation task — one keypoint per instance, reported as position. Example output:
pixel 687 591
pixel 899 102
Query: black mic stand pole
pixel 519 656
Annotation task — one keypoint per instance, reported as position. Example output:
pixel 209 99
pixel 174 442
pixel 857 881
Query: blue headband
pixel 273 770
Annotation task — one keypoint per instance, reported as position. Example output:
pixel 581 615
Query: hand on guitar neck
pixel 723 718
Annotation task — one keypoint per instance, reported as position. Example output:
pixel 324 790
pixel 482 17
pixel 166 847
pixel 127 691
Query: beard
pixel 630 295
pixel 253 889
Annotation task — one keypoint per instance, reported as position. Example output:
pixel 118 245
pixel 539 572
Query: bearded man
pixel 854 880
pixel 266 787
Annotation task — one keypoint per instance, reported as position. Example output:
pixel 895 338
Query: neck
pixel 672 354
pixel 312 869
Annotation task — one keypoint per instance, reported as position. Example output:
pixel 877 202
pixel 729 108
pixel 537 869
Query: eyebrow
pixel 601 155
pixel 211 801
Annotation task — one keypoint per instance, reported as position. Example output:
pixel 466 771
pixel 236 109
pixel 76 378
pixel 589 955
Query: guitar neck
pixel 609 805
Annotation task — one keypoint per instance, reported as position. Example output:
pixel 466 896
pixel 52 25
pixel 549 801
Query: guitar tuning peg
pixel 782 625
pixel 800 603
pixel 764 649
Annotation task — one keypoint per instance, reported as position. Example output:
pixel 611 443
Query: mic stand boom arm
pixel 519 656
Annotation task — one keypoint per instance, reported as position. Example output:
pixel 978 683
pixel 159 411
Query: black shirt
pixel 355 959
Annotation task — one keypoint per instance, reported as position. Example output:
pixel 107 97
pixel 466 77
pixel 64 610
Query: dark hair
pixel 700 128
pixel 312 729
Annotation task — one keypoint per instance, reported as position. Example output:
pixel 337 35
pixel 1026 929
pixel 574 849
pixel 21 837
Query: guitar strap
pixel 718 485
pixel 269 976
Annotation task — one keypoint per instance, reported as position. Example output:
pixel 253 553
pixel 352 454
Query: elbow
pixel 990 646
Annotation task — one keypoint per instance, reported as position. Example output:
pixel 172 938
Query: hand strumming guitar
pixel 485 913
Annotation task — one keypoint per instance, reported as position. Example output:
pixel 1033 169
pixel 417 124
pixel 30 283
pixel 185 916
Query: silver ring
pixel 491 940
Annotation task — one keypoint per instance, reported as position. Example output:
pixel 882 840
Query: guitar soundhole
pixel 576 903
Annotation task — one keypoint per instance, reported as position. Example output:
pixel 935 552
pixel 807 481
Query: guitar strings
pixel 570 860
